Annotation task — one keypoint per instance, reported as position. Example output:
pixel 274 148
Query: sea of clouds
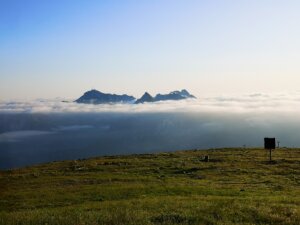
pixel 46 130
pixel 257 102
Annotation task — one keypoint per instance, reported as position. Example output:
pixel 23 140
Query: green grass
pixel 238 186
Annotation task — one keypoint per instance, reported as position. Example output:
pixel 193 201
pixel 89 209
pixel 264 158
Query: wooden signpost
pixel 270 144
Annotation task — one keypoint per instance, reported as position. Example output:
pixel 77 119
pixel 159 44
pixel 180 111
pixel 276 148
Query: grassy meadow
pixel 237 186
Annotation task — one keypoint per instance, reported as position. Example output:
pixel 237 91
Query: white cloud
pixel 257 102
pixel 14 136
pixel 74 127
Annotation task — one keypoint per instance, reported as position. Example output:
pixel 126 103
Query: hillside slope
pixel 237 186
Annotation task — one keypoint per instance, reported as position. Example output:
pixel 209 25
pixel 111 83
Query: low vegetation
pixel 237 186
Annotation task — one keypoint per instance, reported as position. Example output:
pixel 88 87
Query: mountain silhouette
pixel 145 98
pixel 174 95
pixel 97 97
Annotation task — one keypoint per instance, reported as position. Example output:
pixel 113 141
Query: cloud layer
pixel 259 102
pixel 42 131
pixel 14 136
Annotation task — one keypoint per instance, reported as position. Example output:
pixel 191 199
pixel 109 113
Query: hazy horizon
pixel 281 102
pixel 46 130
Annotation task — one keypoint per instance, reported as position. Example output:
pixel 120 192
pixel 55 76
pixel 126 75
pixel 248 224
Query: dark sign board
pixel 270 143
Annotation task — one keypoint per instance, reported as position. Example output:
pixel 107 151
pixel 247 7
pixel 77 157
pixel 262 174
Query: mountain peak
pixel 96 97
pixel 145 98
pixel 185 92
pixel 174 95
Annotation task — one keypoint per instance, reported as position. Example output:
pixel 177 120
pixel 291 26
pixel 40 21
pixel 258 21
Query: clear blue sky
pixel 61 48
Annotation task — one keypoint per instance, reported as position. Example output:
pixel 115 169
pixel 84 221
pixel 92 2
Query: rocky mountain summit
pixel 174 95
pixel 97 97
pixel 145 98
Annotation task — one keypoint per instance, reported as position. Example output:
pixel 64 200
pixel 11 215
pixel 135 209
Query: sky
pixel 62 48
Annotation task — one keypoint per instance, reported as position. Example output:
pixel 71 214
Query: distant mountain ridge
pixel 97 97
pixel 174 95
pixel 145 98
